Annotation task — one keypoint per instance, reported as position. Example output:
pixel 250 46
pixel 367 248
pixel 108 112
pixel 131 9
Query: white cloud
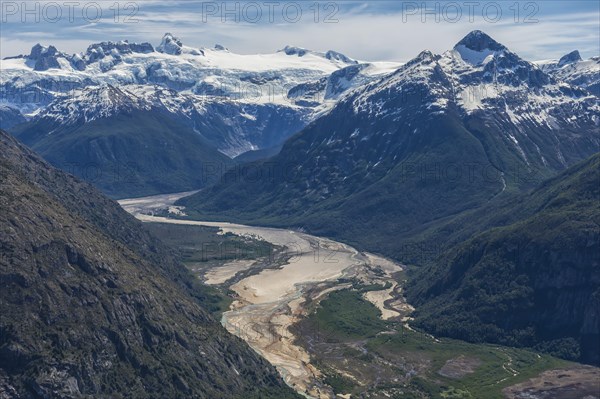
pixel 360 33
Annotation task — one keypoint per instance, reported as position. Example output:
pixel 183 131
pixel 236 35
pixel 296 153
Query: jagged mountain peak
pixel 572 69
pixel 570 58
pixel 122 46
pixel 45 58
pixel 170 45
pixel 337 56
pixel 38 51
pixel 424 55
pixel 477 47
pixel 478 41
pixel 294 50
pixel 98 51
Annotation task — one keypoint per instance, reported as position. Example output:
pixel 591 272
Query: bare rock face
pixel 93 306
pixel 170 45
pixel 45 57
pixel 570 58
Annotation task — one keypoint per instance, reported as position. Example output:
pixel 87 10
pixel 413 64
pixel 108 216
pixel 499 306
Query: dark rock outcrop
pixel 45 57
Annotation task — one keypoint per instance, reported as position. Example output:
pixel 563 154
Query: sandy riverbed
pixel 271 301
pixel 219 275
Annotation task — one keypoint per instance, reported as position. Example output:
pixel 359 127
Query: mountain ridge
pixel 409 149
pixel 238 103
pixel 572 69
pixel 128 149
pixel 92 305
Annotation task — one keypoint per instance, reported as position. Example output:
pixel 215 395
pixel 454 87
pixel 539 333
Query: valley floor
pixel 335 323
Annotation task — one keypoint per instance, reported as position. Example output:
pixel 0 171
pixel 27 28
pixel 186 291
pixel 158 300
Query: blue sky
pixel 366 30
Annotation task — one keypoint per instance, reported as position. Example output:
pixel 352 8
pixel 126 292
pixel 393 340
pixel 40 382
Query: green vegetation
pixel 425 367
pixel 214 299
pixel 201 248
pixel 492 364
pixel 339 383
pixel 374 210
pixel 530 282
pixel 132 154
pixel 345 314
pixel 200 244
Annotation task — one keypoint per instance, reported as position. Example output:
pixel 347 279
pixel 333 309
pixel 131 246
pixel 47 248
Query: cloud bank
pixel 374 30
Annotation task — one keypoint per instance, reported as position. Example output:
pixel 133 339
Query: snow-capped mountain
pixel 185 81
pixel 264 78
pixel 125 143
pixel 442 134
pixel 232 127
pixel 487 83
pixel 571 68
pixel 367 116
pixel 96 102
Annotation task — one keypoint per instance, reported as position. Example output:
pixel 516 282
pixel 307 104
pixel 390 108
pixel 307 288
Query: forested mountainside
pixel 442 135
pixel 532 278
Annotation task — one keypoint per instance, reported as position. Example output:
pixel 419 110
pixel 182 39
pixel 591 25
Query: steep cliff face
pixel 92 306
pixel 532 281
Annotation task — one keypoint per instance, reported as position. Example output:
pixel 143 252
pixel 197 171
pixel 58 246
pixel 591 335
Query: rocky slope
pixel 93 306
